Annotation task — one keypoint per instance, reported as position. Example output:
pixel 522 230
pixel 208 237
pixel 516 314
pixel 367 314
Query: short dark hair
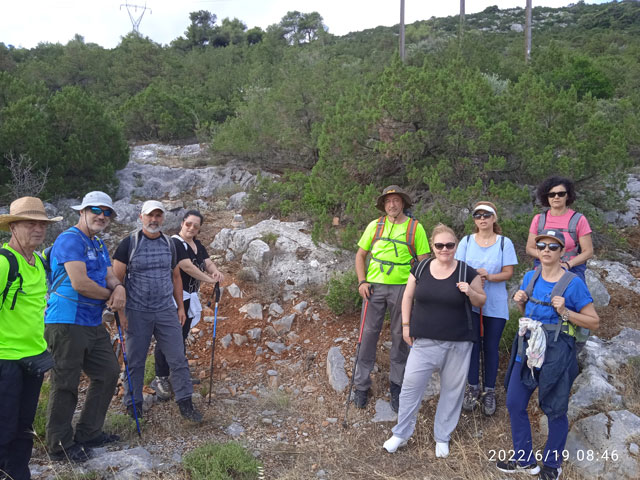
pixel 551 182
pixel 195 213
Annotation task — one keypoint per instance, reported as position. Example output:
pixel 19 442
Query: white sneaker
pixel 394 443
pixel 442 449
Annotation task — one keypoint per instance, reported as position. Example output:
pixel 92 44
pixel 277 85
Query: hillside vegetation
pixel 341 117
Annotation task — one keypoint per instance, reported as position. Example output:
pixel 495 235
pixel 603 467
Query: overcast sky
pixel 25 23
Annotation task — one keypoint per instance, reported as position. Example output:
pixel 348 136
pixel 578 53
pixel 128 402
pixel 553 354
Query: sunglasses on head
pixel 556 194
pixel 98 211
pixel 552 246
pixel 479 215
pixel 448 246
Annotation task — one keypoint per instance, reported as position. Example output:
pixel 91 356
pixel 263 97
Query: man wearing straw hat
pixel 82 285
pixel 23 354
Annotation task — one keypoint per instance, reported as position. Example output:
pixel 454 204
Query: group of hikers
pixel 447 312
pixel 51 318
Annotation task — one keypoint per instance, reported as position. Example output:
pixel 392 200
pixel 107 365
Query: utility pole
pixel 402 56
pixel 527 32
pixel 135 18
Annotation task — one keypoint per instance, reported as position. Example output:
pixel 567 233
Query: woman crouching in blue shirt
pixel 543 355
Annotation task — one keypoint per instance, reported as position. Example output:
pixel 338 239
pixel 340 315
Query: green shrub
pixel 40 421
pixel 149 370
pixel 119 424
pixel 509 332
pixel 343 296
pixel 228 461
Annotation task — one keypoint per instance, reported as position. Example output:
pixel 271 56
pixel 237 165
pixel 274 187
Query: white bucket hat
pixel 96 199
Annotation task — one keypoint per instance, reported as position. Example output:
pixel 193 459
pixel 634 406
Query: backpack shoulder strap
pixel 419 269
pixel 11 277
pixel 134 239
pixel 542 220
pixel 462 277
pixel 562 284
pixel 529 289
pixel 178 237
pixel 411 237
pixel 172 249
pixel 379 229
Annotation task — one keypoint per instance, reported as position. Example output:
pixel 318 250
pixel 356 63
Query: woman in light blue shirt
pixel 493 257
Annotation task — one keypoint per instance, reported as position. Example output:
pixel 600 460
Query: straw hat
pixel 25 208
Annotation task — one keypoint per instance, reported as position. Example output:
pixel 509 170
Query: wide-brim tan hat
pixel 393 189
pixel 25 208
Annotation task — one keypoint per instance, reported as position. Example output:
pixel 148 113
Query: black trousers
pixel 19 394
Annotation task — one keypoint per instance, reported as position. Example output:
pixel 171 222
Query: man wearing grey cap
pixel 146 262
pixel 82 285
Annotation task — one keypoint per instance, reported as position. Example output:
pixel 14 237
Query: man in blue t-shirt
pixel 82 284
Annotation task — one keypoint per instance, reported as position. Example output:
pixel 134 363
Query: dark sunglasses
pixel 440 246
pixel 97 211
pixel 479 215
pixel 556 194
pixel 554 247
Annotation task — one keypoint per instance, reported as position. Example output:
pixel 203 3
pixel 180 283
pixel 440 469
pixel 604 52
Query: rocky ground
pixel 271 393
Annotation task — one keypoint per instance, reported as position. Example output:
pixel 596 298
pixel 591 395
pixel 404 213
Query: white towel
pixel 537 344
pixel 195 307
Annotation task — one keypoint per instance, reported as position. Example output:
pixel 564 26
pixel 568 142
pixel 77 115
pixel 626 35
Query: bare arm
pixel 212 270
pixel 422 257
pixel 177 294
pixel 81 282
pixel 187 266
pixel 587 317
pixel 118 296
pixel 407 305
pixel 119 270
pixel 505 274
pixel 476 292
pixel 586 247
pixel 363 288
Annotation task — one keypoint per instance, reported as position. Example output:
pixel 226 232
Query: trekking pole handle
pixel 216 291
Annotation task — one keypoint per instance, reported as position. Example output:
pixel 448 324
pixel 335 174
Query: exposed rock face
pixel 282 264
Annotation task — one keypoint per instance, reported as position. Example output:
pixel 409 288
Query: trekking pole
pixel 365 305
pixel 126 367
pixel 482 373
pixel 216 291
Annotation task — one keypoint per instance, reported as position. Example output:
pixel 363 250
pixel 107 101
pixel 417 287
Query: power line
pixel 133 15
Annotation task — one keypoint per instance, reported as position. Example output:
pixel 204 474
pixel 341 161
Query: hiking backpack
pixel 581 333
pixel 409 242
pixel 14 274
pixel 572 230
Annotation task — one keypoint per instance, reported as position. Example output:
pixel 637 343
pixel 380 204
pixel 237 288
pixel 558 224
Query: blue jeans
pixel 18 403
pixel 518 396
pixel 493 328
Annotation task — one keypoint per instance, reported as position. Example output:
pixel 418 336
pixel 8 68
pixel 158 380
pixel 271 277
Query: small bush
pixel 40 421
pixel 270 238
pixel 510 330
pixel 227 461
pixel 119 424
pixel 343 296
pixel 149 369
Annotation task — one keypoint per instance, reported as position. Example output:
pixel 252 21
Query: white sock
pixel 394 443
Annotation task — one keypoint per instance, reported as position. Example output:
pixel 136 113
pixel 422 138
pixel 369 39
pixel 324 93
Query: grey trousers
pixel 165 326
pixel 426 356
pixel 383 297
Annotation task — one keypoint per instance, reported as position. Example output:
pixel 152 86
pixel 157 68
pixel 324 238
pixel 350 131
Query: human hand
pixel 182 316
pixel 463 287
pixel 405 335
pixel 559 304
pixel 365 290
pixel 520 297
pixel 118 298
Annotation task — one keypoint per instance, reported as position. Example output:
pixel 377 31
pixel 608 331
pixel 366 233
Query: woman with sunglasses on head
pixel 493 257
pixel 195 267
pixel 438 327
pixel 558 193
pixel 555 303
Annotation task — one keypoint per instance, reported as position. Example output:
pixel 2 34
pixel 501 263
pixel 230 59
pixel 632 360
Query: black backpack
pixel 14 274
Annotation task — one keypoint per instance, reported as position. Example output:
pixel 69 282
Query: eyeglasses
pixel 554 247
pixel 479 215
pixel 556 194
pixel 97 211
pixel 448 246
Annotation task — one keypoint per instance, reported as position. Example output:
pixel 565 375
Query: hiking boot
pixel 138 410
pixel 511 466
pixel 188 411
pixel 162 387
pixel 489 402
pixel 360 398
pixel 395 396
pixel 549 473
pixel 471 396
pixel 76 453
pixel 101 440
